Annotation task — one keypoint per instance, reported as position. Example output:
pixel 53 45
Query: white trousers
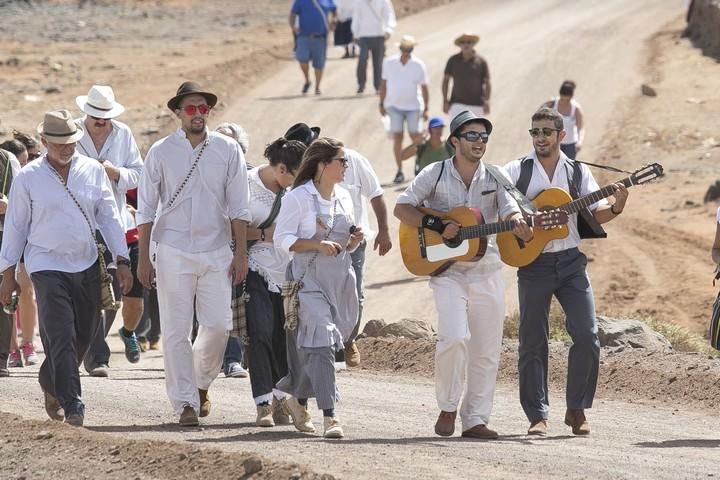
pixel 184 278
pixel 456 108
pixel 471 311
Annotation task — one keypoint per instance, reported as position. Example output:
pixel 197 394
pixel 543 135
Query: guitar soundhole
pixel 453 242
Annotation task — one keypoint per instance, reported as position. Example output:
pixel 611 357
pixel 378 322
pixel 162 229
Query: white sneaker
pixel 300 415
pixel 264 416
pixel 333 429
pixel 235 370
pixel 278 412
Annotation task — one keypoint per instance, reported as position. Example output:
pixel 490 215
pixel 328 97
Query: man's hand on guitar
pixel 451 229
pixel 522 230
pixel 621 196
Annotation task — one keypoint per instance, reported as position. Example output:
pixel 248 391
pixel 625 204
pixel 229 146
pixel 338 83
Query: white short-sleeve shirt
pixel 403 83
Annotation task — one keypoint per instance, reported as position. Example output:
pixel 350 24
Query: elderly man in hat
pixel 404 96
pixel 470 79
pixel 193 193
pixel 55 206
pixel 111 143
pixel 363 184
pixel 469 296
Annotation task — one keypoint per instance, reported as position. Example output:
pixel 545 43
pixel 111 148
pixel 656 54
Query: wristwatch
pixel 123 261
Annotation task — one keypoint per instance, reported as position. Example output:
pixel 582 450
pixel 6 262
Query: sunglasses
pixel 473 136
pixel 546 132
pixel 190 110
pixel 342 160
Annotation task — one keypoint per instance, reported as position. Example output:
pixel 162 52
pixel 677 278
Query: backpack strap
pixel 442 169
pixel 525 205
pixel 587 226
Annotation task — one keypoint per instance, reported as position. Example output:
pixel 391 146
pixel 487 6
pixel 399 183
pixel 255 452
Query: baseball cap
pixel 436 122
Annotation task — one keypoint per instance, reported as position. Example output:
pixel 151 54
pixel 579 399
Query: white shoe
pixel 278 412
pixel 333 429
pixel 264 416
pixel 300 415
pixel 235 370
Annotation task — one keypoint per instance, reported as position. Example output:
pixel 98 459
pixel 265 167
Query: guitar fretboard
pixel 589 199
pixel 487 229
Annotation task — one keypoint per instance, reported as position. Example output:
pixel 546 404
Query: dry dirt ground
pixel 656 261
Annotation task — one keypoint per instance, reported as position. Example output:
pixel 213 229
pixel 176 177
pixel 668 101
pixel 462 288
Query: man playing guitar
pixel 469 296
pixel 559 271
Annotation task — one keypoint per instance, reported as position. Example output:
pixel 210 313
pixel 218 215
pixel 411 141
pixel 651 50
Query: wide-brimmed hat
pixel 100 102
pixel 59 127
pixel 407 41
pixel 471 37
pixel 464 117
pixel 302 133
pixel 190 88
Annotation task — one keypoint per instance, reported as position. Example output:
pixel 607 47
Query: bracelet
pixel 612 209
pixel 123 261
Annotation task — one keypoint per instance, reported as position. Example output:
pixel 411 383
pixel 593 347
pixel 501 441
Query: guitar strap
pixel 499 175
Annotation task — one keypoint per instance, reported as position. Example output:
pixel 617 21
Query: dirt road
pixel 389 423
pixel 531 48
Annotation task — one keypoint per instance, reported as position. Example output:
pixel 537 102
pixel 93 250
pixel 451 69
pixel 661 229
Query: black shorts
pixel 137 289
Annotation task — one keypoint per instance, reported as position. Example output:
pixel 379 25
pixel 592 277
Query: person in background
pixel 315 20
pixel 343 31
pixel 573 119
pixel 34 148
pixel 470 79
pixel 431 149
pixel 23 354
pixel 404 96
pixel 234 351
pixel 316 226
pixel 373 23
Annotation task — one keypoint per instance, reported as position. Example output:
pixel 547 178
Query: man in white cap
pixel 404 96
pixel 470 79
pixel 55 206
pixel 199 179
pixel 469 296
pixel 111 143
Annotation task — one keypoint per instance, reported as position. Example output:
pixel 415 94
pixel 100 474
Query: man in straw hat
pixel 111 143
pixel 469 296
pixel 404 96
pixel 198 178
pixel 470 79
pixel 56 204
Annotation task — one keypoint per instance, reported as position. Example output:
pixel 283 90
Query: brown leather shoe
pixel 53 408
pixel 481 432
pixel 204 403
pixel 445 425
pixel 352 355
pixel 538 427
pixel 188 417
pixel 575 418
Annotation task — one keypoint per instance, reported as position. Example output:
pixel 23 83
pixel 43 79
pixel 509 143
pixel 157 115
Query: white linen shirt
pixel 263 258
pixel 217 192
pixel 373 18
pixel 344 9
pixel 297 219
pixel 403 83
pixel 561 178
pixel 362 183
pixel 121 150
pixel 484 194
pixel 42 214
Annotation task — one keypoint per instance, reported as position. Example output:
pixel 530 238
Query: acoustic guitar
pixel 426 252
pixel 518 253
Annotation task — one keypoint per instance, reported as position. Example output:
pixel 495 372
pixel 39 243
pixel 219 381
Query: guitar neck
pixel 488 229
pixel 589 199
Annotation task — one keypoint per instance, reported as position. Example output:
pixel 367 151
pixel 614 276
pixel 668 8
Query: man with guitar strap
pixel 559 271
pixel 469 296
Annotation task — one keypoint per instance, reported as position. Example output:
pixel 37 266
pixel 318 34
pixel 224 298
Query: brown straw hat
pixel 467 37
pixel 59 127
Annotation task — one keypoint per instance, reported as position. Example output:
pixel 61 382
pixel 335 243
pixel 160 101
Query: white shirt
pixel 264 258
pixel 216 192
pixel 561 178
pixel 344 10
pixel 121 150
pixel 569 122
pixel 11 173
pixel 362 183
pixel 373 18
pixel 297 217
pixel 41 213
pixel 484 194
pixel 403 83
